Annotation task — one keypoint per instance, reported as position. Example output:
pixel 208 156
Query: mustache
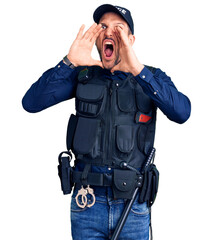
pixel 107 38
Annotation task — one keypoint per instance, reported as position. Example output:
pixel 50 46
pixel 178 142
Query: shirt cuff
pixel 144 75
pixel 62 69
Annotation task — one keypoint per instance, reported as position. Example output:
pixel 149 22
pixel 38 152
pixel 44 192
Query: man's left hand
pixel 128 60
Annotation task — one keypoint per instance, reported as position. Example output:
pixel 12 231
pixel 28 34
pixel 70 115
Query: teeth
pixel 108 43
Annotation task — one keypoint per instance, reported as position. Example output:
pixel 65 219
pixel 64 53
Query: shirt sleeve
pixel 159 87
pixel 55 85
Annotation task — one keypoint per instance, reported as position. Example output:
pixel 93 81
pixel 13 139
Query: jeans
pixel 99 221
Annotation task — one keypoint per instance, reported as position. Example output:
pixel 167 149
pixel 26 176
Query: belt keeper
pixel 84 175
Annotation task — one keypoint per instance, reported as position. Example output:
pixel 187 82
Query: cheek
pixel 98 43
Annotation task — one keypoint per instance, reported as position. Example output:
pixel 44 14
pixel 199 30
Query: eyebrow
pixel 115 23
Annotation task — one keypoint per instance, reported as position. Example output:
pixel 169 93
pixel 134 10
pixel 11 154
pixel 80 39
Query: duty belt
pixel 123 180
pixel 99 179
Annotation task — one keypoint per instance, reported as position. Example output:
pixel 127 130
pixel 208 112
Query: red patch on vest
pixel 144 118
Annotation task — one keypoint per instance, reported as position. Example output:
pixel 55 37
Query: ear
pixel 131 39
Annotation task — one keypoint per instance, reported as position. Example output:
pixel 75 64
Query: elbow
pixel 27 106
pixel 183 117
pixel 183 113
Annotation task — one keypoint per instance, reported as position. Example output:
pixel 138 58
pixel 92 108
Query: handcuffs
pixel 82 193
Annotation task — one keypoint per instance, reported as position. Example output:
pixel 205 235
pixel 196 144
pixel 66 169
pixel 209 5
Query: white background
pixel 175 36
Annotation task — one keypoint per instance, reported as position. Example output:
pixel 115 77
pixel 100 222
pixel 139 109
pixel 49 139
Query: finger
pixel 80 33
pixel 122 37
pixel 89 31
pixel 118 36
pixel 122 34
pixel 97 32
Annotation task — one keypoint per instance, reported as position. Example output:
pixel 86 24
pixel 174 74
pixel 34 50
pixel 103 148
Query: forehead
pixel 112 17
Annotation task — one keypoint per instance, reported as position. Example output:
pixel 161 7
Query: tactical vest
pixel 115 120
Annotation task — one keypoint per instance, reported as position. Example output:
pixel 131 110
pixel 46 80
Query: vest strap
pixel 85 173
pixel 96 162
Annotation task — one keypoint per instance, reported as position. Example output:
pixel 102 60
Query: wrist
pixel 69 63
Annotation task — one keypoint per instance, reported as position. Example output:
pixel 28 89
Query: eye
pixel 104 26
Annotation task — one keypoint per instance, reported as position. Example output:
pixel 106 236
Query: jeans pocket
pixel 140 209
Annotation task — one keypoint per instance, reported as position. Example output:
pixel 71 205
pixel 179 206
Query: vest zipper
pixel 111 125
pixel 108 129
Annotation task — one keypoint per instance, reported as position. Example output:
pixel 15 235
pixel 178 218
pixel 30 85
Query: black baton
pixel 129 203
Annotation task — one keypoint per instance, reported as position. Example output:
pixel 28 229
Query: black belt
pixel 95 179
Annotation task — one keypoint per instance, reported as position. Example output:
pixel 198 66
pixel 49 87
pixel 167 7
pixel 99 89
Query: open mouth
pixel 108 48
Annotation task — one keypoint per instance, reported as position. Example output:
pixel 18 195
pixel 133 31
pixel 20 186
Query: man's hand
pixel 80 51
pixel 128 60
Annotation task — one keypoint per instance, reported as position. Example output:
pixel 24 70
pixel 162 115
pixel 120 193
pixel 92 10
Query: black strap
pixel 94 162
pixel 84 175
pixel 144 187
pixel 64 152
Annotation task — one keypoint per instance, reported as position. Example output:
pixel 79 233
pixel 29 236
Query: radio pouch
pixel 124 183
pixel 150 185
pixel 65 173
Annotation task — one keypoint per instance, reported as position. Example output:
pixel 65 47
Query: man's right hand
pixel 80 51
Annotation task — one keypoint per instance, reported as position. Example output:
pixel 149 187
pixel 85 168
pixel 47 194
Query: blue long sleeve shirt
pixel 59 83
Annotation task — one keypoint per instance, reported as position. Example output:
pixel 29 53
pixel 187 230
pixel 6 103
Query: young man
pixel 116 102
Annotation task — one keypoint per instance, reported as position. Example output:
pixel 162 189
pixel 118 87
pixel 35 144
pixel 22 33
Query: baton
pixel 129 203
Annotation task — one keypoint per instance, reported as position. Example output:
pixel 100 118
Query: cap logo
pixel 121 10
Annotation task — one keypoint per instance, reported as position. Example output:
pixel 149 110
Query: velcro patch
pixel 142 118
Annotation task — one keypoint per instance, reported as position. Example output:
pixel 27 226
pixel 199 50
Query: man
pixel 116 102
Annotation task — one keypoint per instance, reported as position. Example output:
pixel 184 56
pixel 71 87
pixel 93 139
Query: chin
pixel 108 66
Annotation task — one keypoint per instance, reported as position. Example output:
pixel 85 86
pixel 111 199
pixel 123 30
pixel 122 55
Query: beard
pixel 111 64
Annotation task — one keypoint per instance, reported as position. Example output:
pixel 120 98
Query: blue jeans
pixel 99 221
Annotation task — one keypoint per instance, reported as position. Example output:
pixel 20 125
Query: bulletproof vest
pixel 115 120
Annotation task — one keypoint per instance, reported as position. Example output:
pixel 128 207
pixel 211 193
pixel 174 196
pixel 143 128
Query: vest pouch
pixel 71 130
pixel 125 138
pixel 144 103
pixel 150 185
pixel 87 137
pixel 124 183
pixel 146 136
pixel 90 99
pixel 126 101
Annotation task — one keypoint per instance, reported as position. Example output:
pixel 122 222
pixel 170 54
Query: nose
pixel 109 32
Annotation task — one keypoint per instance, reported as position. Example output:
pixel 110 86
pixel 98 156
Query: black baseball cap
pixel 123 12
